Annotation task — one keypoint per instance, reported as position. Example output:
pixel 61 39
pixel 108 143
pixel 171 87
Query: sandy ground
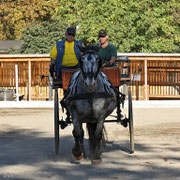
pixel 27 148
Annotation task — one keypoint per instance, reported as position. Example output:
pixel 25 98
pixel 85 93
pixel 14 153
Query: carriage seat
pixel 112 73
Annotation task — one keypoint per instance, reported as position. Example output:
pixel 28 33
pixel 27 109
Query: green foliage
pixel 16 15
pixel 41 38
pixel 133 26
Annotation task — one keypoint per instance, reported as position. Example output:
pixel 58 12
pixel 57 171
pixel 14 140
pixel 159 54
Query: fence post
pixel 50 88
pixel 29 79
pixel 145 79
pixel 17 87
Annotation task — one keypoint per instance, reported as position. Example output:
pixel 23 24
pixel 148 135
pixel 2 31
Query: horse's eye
pixel 98 60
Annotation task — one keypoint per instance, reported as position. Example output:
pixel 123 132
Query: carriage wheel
pixel 56 121
pixel 130 117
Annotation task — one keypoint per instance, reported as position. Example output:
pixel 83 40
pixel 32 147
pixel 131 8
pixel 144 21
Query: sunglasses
pixel 102 36
pixel 70 34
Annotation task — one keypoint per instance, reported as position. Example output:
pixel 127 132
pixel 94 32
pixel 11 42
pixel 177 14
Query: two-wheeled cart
pixel 118 76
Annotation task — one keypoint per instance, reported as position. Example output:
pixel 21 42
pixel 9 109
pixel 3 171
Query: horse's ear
pixel 82 49
pixel 81 67
pixel 80 63
pixel 100 62
pixel 96 47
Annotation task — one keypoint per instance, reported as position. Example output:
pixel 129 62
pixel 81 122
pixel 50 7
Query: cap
pixel 102 33
pixel 71 30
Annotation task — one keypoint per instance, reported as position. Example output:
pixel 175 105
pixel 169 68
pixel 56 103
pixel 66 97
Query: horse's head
pixel 90 65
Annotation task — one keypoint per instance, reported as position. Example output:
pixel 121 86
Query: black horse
pixel 90 99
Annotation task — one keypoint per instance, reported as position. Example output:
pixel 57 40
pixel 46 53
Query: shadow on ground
pixel 31 148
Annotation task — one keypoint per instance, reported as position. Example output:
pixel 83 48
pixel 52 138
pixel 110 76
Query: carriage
pixel 118 76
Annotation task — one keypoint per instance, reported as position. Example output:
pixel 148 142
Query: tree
pixel 15 15
pixel 40 38
pixel 134 26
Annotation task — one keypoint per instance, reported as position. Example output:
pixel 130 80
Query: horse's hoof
pixel 77 153
pixel 77 157
pixel 96 161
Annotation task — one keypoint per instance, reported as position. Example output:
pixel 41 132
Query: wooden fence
pixel 159 76
pixel 154 76
pixel 30 69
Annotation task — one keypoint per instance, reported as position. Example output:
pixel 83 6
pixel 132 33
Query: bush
pixel 41 38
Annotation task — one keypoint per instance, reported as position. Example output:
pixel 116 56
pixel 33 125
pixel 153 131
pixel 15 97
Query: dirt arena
pixel 27 148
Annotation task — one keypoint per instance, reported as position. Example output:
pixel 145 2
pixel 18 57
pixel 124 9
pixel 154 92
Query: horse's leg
pixel 82 143
pixel 68 115
pixel 78 133
pixel 91 129
pixel 97 139
pixel 78 136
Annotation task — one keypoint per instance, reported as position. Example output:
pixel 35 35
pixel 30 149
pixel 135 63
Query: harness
pixel 90 96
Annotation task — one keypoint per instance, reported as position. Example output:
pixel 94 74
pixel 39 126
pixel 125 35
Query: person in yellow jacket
pixel 65 54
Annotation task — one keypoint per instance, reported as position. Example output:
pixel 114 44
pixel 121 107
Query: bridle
pixel 98 62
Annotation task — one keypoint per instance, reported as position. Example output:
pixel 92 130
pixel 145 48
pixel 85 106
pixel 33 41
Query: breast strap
pixel 90 96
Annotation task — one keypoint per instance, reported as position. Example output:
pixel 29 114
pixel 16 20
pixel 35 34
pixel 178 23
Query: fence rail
pixel 154 76
pixel 159 76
